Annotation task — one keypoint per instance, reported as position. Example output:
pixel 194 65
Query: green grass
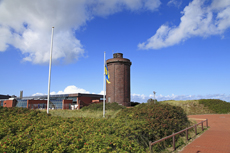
pixel 91 111
pixel 216 105
pixel 80 113
pixel 99 107
pixel 191 107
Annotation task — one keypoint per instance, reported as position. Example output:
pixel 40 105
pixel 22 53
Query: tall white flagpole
pixel 104 88
pixel 51 48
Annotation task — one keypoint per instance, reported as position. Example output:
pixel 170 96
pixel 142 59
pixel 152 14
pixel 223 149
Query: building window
pixel 109 99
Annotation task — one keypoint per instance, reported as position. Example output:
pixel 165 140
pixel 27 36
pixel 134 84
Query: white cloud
pixel 177 3
pixel 26 24
pixel 38 94
pixel 143 98
pixel 139 98
pixel 152 5
pixel 102 92
pixel 197 20
pixel 68 90
pixel 72 89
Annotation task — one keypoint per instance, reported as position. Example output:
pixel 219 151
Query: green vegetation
pixel 216 105
pixel 202 106
pixel 191 107
pixel 158 121
pixel 99 107
pixel 152 100
pixel 91 111
pixel 80 113
pixel 23 130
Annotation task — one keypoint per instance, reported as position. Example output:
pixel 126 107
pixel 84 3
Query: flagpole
pixel 104 88
pixel 51 48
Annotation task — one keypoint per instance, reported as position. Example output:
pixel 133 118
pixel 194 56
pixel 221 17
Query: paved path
pixel 216 139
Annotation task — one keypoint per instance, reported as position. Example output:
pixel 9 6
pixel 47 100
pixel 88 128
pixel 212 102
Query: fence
pixel 174 134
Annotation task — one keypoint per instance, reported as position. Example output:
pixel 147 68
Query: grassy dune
pixel 191 107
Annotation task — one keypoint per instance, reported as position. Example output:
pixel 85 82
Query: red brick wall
pixel 9 103
pixel 65 103
pixel 85 101
pixel 119 88
pixel 33 104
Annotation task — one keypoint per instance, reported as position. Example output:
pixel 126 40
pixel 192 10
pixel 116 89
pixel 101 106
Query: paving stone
pixel 214 140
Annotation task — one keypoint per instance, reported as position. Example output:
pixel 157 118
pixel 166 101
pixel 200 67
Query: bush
pixel 37 132
pixel 99 107
pixel 23 130
pixel 216 105
pixel 158 121
pixel 134 103
pixel 152 100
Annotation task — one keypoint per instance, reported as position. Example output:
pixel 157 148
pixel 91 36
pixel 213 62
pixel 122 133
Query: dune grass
pixel 191 107
pixel 87 113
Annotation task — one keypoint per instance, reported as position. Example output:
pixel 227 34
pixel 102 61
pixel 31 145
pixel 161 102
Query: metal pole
pixel 104 88
pixel 51 48
pixel 154 96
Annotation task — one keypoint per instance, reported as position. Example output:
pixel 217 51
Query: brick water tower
pixel 118 90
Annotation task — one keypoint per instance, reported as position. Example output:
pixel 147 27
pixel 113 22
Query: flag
pixel 107 74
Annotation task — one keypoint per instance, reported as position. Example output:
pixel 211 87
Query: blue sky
pixel 180 49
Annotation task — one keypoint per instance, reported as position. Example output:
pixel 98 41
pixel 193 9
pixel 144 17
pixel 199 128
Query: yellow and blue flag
pixel 107 74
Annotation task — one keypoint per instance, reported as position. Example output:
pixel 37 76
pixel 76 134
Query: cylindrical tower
pixel 118 90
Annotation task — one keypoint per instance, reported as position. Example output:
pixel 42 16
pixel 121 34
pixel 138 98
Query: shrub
pixel 37 132
pixel 23 130
pixel 152 100
pixel 158 120
pixel 134 103
pixel 216 105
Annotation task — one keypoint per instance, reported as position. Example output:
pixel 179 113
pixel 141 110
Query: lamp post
pixel 154 97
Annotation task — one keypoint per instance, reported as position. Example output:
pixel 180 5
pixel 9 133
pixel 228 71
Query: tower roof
pixel 118 58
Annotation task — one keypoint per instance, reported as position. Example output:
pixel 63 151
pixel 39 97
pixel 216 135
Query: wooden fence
pixel 174 134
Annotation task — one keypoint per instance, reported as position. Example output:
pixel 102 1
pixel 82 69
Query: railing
pixel 174 134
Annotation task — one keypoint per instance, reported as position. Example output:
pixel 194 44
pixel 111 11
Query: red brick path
pixel 214 140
